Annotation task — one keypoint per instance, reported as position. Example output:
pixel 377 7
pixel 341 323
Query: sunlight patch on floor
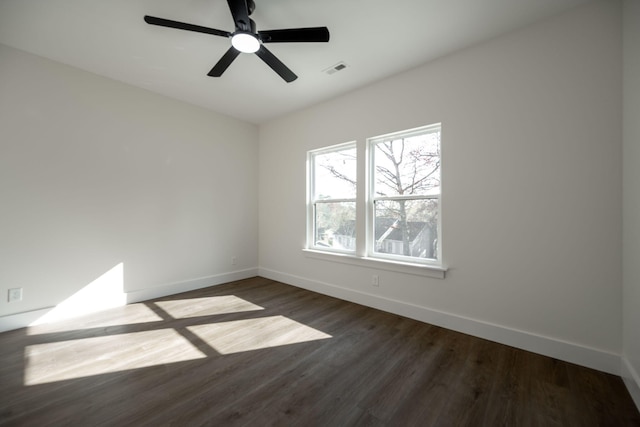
pixel 254 334
pixel 209 306
pixel 67 360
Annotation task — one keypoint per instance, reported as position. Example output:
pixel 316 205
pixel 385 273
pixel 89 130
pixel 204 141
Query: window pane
pixel 335 175
pixel 408 166
pixel 335 225
pixel 407 227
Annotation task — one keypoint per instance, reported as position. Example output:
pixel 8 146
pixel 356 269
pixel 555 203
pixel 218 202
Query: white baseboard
pixel 562 350
pixel 547 346
pixel 189 285
pixel 631 379
pixel 21 320
pixel 24 319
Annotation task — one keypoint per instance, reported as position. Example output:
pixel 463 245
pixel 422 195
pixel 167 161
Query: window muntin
pixel 332 204
pixel 404 196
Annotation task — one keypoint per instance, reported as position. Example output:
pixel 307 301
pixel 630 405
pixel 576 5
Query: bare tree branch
pixel 333 171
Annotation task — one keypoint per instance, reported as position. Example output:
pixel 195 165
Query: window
pixel 398 206
pixel 404 195
pixel 332 185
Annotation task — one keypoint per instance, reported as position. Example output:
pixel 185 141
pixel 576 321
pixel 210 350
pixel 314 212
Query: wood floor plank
pixel 259 352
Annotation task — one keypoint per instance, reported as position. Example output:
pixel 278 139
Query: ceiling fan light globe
pixel 245 42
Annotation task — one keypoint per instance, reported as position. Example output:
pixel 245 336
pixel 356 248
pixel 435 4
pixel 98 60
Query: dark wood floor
pixel 258 352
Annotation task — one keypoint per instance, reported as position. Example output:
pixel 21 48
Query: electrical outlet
pixel 15 294
pixel 234 261
pixel 375 280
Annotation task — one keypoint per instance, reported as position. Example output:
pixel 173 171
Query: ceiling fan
pixel 245 38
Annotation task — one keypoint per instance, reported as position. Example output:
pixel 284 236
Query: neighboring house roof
pixel 382 225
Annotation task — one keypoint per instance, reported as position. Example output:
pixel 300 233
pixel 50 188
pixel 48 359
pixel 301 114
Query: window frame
pixel 363 255
pixel 312 201
pixel 371 198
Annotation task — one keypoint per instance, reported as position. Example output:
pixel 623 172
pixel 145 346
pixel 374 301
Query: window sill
pixel 426 270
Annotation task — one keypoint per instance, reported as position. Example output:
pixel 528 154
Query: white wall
pixel 631 194
pixel 531 179
pixel 94 173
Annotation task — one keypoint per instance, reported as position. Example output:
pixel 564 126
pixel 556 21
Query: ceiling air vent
pixel 335 68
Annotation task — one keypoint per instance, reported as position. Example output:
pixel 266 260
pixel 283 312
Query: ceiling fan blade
pixel 184 26
pixel 240 12
pixel 224 62
pixel 276 65
pixel 314 34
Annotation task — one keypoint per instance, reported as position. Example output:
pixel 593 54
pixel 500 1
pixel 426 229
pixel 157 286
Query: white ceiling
pixel 375 38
